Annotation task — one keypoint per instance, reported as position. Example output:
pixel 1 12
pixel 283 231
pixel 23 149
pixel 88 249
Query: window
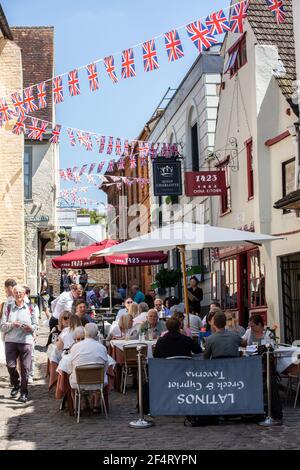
pixel 288 179
pixel 229 283
pixel 195 148
pixel 257 291
pixel 226 198
pixel 237 56
pixel 28 172
pixel 249 149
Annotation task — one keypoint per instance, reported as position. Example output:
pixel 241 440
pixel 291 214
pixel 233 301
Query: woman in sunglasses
pixel 63 322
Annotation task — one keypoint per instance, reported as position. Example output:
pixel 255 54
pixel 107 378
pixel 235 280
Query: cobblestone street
pixel 40 425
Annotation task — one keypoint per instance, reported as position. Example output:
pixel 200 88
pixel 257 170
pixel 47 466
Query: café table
pixel 116 350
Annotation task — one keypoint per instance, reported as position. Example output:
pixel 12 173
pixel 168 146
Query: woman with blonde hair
pixel 66 338
pixel 133 310
pixel 124 329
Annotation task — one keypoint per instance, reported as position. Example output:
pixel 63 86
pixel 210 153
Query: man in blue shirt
pixel 123 291
pixel 137 294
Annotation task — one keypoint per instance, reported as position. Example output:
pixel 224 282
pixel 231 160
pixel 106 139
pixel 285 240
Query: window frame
pixel 250 173
pixel 262 280
pixel 195 147
pixel 283 178
pixel 242 57
pixel 224 166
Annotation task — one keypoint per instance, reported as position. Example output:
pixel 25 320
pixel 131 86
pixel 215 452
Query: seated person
pixel 125 310
pixel 232 323
pixel 142 314
pixel 257 333
pixel 222 343
pixel 63 322
pixel 195 323
pixel 152 327
pixel 80 311
pixel 123 329
pixel 66 338
pixel 173 343
pixel 89 351
pixel 163 312
pixel 79 334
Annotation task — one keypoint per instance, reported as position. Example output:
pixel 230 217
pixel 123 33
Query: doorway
pixel 290 275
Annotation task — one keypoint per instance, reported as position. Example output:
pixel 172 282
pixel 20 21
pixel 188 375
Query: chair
pixel 88 375
pixel 294 377
pixel 131 362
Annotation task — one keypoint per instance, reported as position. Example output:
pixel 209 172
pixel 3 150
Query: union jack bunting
pixel 126 148
pixel 143 160
pixel 41 87
pixel 150 56
pixel 62 175
pixel 238 16
pixel 6 114
pixel 71 136
pixel 18 103
pixel 69 175
pixel 75 170
pixel 276 7
pixel 92 168
pixel 19 127
pixel 109 63
pixel 83 170
pixel 217 23
pixel 88 143
pixel 128 67
pixel 100 167
pixel 93 77
pixel 73 83
pixel 200 35
pixel 58 91
pixel 173 45
pixel 29 100
pixel 140 148
pixel 110 167
pixel 81 138
pixel 110 146
pixel 132 161
pixel 146 149
pixel 154 151
pixel 121 164
pixel 55 134
pixel 118 147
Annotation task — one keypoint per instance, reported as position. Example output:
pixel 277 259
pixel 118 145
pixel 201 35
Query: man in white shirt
pixel 62 303
pixel 88 351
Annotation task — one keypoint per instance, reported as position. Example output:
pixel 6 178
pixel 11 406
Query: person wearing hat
pixel 195 294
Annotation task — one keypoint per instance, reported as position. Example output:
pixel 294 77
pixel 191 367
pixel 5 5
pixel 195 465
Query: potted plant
pixel 168 277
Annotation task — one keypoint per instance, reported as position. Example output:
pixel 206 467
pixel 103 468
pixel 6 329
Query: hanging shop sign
pixel 167 179
pixel 205 183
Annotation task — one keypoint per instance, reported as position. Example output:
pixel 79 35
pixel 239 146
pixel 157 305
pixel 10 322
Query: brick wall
pixel 12 257
pixel 37 47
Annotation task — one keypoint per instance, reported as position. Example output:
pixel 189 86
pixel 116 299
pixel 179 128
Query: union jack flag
pixel 83 169
pixel 93 77
pixel 217 23
pixel 143 160
pixel 110 167
pixel 118 147
pixel 146 149
pixel 58 91
pixel 55 134
pixel 200 35
pixel 132 161
pixel 141 148
pixel 110 146
pixel 42 95
pixel 37 132
pixel 29 100
pixel 173 45
pixel 126 148
pixel 18 104
pixel 100 167
pixel 109 63
pixel 102 144
pixel 92 168
pixel 88 143
pixel 73 83
pixel 150 56
pixel 81 138
pixel 238 15
pixel 154 151
pixel 128 67
pixel 276 7
pixel 121 164
pixel 71 136
pixel 6 114
pixel 19 127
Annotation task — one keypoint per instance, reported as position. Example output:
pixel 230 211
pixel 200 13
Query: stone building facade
pixel 40 158
pixel 12 240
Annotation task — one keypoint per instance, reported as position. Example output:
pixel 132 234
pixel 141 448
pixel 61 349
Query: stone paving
pixel 40 425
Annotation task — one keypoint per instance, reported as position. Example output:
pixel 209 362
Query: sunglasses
pixel 129 302
pixel 79 339
pixel 66 318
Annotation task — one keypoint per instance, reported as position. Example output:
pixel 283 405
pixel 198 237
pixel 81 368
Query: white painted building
pixel 190 119
pixel 257 114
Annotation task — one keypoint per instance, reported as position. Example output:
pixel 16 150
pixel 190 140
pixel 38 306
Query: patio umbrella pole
pixel 110 289
pixel 185 288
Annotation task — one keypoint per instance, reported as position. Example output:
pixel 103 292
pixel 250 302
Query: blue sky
pixel 92 29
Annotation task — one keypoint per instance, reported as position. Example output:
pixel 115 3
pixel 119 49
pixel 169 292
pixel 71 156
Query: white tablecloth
pixel 120 343
pixel 286 356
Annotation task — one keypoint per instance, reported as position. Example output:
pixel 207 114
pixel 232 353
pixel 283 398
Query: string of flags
pixel 202 33
pixel 76 175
